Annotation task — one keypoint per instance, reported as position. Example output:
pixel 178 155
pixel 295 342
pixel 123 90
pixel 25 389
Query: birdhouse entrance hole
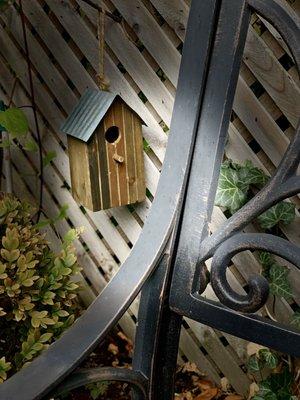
pixel 112 134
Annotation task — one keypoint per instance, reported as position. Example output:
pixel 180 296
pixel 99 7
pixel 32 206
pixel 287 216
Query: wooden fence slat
pixel 273 77
pixel 152 36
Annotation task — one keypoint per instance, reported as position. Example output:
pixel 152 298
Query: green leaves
pixel 282 212
pixel 49 157
pixel 234 184
pixel 277 276
pixel 263 359
pixel 38 297
pixel 269 358
pixel 276 387
pixel 279 284
pixel 98 389
pixel 41 319
pixel 232 191
pixel 296 320
pixel 14 121
pixel 4 367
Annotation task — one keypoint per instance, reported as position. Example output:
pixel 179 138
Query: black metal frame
pixel 168 261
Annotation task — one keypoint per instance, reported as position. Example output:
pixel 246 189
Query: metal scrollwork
pixel 258 285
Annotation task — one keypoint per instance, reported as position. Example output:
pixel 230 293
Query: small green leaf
pixel 251 175
pixel 296 319
pixel 14 121
pixel 269 358
pixel 30 145
pixel 279 284
pixel 50 156
pixel 253 364
pixel 282 212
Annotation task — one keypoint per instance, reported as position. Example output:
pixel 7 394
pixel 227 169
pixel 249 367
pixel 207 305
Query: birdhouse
pixel 106 151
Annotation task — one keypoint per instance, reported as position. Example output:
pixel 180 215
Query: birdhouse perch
pixel 106 151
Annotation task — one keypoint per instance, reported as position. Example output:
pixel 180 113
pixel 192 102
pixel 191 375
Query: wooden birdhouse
pixel 106 151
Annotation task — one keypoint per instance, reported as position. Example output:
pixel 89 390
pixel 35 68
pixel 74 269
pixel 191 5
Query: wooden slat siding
pixel 103 168
pixel 255 46
pixel 136 66
pixel 73 67
pixel 176 14
pixel 273 77
pixel 113 178
pixel 262 127
pixel 196 356
pixel 56 44
pixel 65 95
pixel 152 36
pixel 121 151
pixel 139 158
pixel 222 357
pixel 131 161
pixel 80 172
pixel 93 160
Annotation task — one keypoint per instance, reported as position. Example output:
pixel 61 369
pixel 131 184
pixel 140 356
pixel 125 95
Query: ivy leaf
pixel 252 175
pixel 279 284
pixel 232 192
pixel 270 359
pixel 296 319
pixel 14 121
pixel 253 364
pixel 282 212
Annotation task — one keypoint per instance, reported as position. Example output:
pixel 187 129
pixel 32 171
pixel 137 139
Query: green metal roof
pixel 88 113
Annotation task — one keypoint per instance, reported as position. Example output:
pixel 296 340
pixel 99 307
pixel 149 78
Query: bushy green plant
pixel 37 295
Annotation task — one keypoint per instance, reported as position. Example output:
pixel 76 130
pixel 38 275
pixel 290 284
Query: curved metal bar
pixel 110 374
pixel 65 354
pixel 288 24
pixel 284 19
pixel 258 285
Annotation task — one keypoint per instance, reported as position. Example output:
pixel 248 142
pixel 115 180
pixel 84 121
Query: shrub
pixel 38 299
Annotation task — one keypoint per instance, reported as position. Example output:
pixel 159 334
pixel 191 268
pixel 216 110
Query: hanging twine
pixel 103 83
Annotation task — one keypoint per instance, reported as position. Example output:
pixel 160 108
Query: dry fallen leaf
pixel 253 390
pixel 234 397
pixel 129 345
pixel 112 348
pixel 204 384
pixel 191 367
pixel 208 394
